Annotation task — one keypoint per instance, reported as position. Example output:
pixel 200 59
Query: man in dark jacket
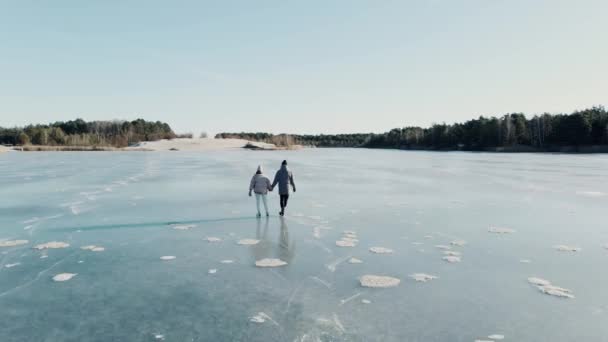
pixel 284 178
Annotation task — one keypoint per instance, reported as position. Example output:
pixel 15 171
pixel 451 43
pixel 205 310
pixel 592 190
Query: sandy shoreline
pixel 204 144
pixel 182 144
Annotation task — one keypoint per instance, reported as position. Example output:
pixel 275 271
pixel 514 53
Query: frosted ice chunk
pixel 167 257
pixel 496 337
pixel 423 277
pixel 366 301
pixel 525 261
pixel 377 281
pixel 213 239
pixel 354 261
pixel 538 281
pixel 452 253
pixel 12 265
pixel 13 243
pixel 346 243
pixel 64 276
pixel 261 317
pixel 93 248
pixel 499 230
pixel 52 245
pixel 248 242
pixel 565 248
pixel 458 243
pixel 268 262
pixel 227 261
pixel 451 258
pixel 381 250
pixel 183 226
pixel 212 271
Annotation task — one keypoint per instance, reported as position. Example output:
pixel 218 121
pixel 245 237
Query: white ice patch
pixel 349 239
pixel 268 262
pixel 451 259
pixel 547 288
pixel 63 276
pixel 525 261
pixel 538 281
pixel 93 248
pixel 593 194
pixel 159 337
pixel 212 271
pixel 452 253
pixel 346 243
pixel 52 245
pixel 565 248
pixel 444 247
pixel 499 230
pixel 12 265
pixel 316 232
pixel 381 250
pixel 377 281
pixel 366 301
pixel 261 317
pixel 248 242
pixel 459 243
pixel 167 257
pixel 422 277
pixel 227 261
pixel 496 337
pixel 354 261
pixel 13 243
pixel 213 239
pixel 183 226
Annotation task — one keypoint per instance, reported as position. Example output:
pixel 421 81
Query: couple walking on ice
pixel 260 185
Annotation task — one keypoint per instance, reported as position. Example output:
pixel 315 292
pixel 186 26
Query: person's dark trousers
pixel 284 199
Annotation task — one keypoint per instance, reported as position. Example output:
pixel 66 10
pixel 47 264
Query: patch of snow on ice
pixel 381 250
pixel 268 262
pixel 451 259
pixel 63 276
pixel 377 281
pixel 565 248
pixel 422 277
pixel 52 245
pixel 499 230
pixel 13 243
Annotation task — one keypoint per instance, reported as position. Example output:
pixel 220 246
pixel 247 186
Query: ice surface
pixel 496 337
pixel 179 299
pixel 354 261
pixel 167 257
pixel 546 287
pixel 213 239
pixel 183 226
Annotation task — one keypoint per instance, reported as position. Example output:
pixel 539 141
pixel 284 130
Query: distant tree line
pixel 514 131
pixel 81 133
pixel 322 140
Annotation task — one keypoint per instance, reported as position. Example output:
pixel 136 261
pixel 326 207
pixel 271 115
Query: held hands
pixel 249 193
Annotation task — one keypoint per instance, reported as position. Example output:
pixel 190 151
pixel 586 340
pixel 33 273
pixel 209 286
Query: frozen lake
pixel 518 216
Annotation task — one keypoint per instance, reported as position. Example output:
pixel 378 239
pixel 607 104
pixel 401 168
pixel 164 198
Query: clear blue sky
pixel 305 66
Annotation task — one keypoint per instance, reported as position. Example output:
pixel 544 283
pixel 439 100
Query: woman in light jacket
pixel 260 184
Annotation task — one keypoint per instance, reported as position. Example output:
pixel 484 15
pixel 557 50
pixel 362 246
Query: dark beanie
pixel 284 162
